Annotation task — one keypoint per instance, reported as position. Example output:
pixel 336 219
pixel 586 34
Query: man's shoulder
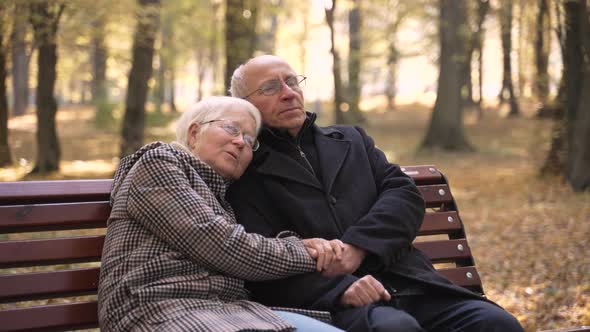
pixel 344 131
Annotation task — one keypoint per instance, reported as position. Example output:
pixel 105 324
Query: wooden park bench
pixel 52 233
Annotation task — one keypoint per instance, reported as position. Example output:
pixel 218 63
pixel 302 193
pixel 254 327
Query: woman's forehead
pixel 239 114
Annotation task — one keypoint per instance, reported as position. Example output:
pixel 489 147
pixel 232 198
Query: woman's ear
pixel 193 131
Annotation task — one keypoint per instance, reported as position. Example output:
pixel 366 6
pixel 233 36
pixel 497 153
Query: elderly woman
pixel 174 258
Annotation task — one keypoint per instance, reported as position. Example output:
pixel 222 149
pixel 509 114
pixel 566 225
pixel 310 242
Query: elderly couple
pixel 319 227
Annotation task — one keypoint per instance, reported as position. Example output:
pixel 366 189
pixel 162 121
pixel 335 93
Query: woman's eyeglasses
pixel 234 130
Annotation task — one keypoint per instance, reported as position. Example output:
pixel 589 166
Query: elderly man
pixel 334 183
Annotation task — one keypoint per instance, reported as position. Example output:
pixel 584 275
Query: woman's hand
pixel 324 251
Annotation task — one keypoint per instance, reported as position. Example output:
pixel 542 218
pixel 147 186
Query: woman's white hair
pixel 208 109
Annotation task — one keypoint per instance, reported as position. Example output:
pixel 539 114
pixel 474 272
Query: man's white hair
pixel 237 86
pixel 211 108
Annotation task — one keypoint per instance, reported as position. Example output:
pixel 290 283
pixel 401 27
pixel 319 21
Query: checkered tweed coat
pixel 175 259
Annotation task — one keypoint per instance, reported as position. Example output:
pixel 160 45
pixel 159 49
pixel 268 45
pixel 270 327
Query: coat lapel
pixel 281 165
pixel 332 153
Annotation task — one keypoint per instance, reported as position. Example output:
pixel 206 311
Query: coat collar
pixel 332 152
pixel 331 146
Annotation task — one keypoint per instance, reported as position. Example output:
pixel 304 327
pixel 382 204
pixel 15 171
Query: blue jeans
pixel 303 323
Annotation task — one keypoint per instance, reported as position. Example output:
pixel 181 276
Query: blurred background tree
pixel 148 17
pixel 5 156
pixel 136 67
pixel 45 17
pixel 446 125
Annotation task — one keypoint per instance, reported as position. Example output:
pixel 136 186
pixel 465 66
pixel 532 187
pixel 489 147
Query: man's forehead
pixel 265 67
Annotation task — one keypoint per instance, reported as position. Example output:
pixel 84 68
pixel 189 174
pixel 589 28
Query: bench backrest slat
pixel 51 251
pixel 445 251
pixel 466 276
pixel 440 223
pixel 57 317
pixel 83 204
pixel 55 191
pixel 42 285
pixel 436 194
pixel 53 217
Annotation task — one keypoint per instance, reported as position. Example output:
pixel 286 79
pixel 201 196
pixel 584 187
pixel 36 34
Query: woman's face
pixel 227 154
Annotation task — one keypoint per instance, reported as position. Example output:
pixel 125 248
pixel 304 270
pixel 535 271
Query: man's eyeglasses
pixel 273 87
pixel 234 130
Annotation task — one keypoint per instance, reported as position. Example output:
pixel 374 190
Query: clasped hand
pixel 334 257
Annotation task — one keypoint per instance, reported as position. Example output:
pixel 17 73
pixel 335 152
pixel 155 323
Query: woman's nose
pixel 239 140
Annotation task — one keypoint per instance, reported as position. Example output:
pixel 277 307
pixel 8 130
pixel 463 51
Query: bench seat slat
pixel 52 251
pixel 445 251
pixel 43 285
pixel 58 317
pixel 61 216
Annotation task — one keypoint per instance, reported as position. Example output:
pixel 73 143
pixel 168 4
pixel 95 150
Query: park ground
pixel 529 234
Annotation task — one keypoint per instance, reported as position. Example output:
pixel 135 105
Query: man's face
pixel 283 109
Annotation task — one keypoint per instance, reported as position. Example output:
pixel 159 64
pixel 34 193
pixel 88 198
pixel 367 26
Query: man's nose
pixel 287 92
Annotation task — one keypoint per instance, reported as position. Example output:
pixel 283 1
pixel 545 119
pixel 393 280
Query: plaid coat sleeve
pixel 172 201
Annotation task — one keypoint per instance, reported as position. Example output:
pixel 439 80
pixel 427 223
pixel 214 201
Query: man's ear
pixel 193 131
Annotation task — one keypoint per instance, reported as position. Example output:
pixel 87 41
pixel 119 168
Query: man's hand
pixel 364 291
pixel 352 257
pixel 324 252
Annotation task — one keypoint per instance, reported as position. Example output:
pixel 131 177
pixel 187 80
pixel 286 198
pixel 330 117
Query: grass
pixel 529 234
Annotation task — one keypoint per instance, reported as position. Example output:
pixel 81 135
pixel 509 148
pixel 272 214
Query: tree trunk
pixel 354 63
pixel 165 55
pixel 20 60
pixel 477 48
pixel 170 75
pixel 578 95
pixel 266 40
pixel 555 162
pixel 45 20
pixel 339 104
pixel 390 83
pixel 542 41
pixel 240 35
pixel 214 49
pixel 139 75
pixel 522 43
pixel 99 62
pixel 5 157
pixel 467 84
pixel 446 125
pixel 160 88
pixel 171 86
pixel 98 85
pixel 507 91
pixel 303 36
pixel 201 69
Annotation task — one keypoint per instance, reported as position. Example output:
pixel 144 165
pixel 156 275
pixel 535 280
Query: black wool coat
pixel 359 198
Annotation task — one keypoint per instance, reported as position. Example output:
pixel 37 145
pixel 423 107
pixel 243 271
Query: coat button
pixel 333 200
